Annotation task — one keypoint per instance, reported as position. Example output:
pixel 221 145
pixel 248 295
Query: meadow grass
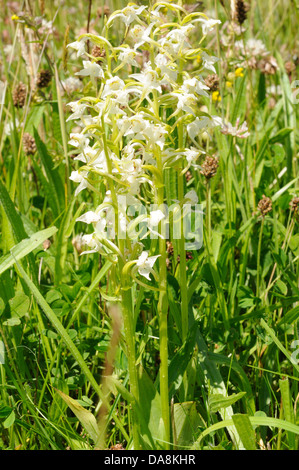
pixel 206 355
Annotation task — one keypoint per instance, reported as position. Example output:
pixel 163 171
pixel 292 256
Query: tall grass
pixel 207 357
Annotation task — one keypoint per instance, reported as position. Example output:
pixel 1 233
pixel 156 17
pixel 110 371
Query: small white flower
pixel 145 264
pixel 89 217
pixel 127 56
pixel 186 102
pixel 79 140
pixel 148 80
pixel 166 69
pixel 71 84
pixel 91 241
pixel 112 87
pixel 92 70
pixel 209 61
pixel 78 110
pixel 208 25
pixel 79 46
pixel 140 35
pixel 237 130
pixel 193 85
pixel 203 123
pixel 79 177
pixel 153 220
pixel 192 197
pixel 128 14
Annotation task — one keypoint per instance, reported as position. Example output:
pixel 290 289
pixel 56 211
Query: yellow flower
pixel 14 18
pixel 229 84
pixel 239 72
pixel 199 59
pixel 216 96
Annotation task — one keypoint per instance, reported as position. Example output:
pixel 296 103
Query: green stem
pixel 163 313
pixel 128 317
pixel 258 267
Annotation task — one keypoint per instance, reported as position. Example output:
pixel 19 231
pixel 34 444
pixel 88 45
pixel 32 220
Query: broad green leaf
pixel 19 305
pixel 186 422
pixel 150 405
pixel 85 417
pixel 218 401
pixel 25 247
pixel 245 430
pixel 9 420
pixel 287 407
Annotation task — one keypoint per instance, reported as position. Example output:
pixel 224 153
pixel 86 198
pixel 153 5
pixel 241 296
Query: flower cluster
pixel 127 132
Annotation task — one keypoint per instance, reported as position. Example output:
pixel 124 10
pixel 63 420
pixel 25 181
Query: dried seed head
pixel 265 205
pixel 241 11
pixel 29 145
pixel 188 176
pixel 294 204
pixel 104 11
pixel 169 249
pixel 268 65
pixel 209 167
pixel 117 447
pixel 19 95
pixel 212 81
pixel 98 52
pixel 290 67
pixel 46 245
pixel 44 78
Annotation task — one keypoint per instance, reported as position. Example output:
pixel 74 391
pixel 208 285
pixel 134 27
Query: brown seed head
pixel 241 11
pixel 29 145
pixel 188 176
pixel 44 78
pixel 98 52
pixel 294 204
pixel 290 67
pixel 19 95
pixel 169 249
pixel 209 167
pixel 117 447
pixel 104 11
pixel 265 205
pixel 268 65
pixel 212 81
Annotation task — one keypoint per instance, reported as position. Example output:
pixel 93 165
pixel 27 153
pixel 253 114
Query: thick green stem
pixel 163 312
pixel 128 317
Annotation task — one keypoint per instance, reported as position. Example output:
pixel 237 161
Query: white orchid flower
pixel 193 85
pixel 145 264
pixel 153 220
pixel 209 61
pixel 91 69
pixel 207 24
pixel 140 35
pixel 79 46
pixel 79 140
pixel 166 69
pixel 148 80
pixel 203 123
pixel 127 56
pixel 186 102
pixel 128 14
pixel 89 217
pixel 79 177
